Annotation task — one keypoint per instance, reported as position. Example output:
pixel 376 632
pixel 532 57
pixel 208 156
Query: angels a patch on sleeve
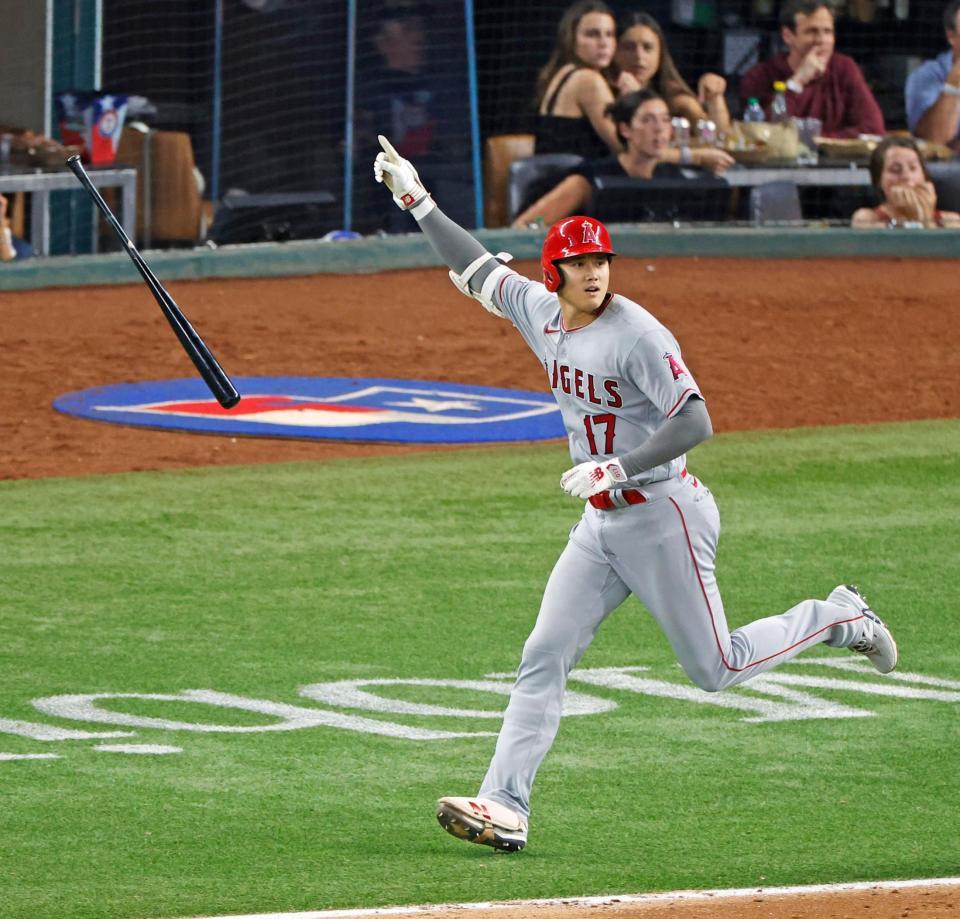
pixel 676 368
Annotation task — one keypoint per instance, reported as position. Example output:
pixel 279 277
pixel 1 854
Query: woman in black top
pixel 642 121
pixel 578 83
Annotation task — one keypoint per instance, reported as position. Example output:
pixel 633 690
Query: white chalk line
pixel 608 900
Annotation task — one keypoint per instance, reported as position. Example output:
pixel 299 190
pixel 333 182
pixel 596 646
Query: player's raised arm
pixel 473 269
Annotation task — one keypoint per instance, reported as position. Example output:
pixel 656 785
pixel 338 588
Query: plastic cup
pixel 809 130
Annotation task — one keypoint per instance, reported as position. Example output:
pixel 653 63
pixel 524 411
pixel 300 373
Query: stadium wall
pixel 412 251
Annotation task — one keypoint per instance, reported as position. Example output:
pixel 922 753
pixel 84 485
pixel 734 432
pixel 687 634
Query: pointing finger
pixel 388 147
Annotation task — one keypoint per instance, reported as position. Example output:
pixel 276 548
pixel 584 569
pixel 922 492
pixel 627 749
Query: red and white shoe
pixel 875 642
pixel 483 821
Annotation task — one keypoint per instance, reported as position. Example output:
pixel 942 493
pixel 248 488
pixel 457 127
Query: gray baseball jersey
pixel 615 380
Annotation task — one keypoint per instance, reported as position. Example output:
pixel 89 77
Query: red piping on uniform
pixel 606 302
pixel 596 315
pixel 713 623
pixel 683 396
pixel 500 286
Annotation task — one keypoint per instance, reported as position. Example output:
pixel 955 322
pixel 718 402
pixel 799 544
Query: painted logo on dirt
pixel 328 408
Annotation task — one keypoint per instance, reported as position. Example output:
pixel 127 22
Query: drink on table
pixel 778 108
pixel 753 112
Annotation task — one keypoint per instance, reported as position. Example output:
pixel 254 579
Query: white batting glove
pixel 401 178
pixel 591 478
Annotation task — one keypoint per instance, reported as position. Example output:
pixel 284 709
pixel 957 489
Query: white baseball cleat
pixel 483 821
pixel 876 641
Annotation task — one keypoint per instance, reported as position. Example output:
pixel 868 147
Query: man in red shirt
pixel 820 83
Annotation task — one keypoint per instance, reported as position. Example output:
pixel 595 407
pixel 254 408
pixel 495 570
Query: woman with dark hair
pixel 642 52
pixel 642 122
pixel 578 83
pixel 907 196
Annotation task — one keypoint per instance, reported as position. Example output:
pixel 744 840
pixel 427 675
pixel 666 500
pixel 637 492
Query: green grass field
pixel 257 581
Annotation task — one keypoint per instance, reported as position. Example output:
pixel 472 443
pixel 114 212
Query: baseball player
pixel 632 409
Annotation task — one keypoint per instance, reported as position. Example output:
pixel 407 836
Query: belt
pixel 613 500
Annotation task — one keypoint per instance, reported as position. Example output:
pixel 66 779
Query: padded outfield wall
pixel 412 251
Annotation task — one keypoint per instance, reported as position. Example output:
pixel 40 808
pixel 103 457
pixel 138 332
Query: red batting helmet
pixel 570 237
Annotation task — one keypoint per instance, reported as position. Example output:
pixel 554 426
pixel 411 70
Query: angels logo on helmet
pixel 591 233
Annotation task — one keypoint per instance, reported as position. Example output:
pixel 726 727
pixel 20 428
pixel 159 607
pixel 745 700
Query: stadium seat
pixel 533 177
pixel 621 199
pixel 278 217
pixel 946 180
pixel 500 151
pixel 775 202
pixel 169 204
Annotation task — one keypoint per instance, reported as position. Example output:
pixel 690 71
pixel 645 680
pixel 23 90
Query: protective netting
pixel 263 88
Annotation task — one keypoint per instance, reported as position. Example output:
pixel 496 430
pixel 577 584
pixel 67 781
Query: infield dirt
pixel 908 903
pixel 773 344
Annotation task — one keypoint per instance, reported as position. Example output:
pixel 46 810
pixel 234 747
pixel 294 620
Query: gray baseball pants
pixel 662 551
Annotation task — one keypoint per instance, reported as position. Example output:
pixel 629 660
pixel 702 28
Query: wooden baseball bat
pixel 213 374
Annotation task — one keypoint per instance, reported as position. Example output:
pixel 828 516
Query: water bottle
pixel 681 131
pixel 753 111
pixel 778 108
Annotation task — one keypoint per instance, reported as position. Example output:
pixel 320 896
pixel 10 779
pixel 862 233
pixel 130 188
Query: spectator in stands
pixel 821 83
pixel 643 53
pixel 404 80
pixel 907 196
pixel 578 83
pixel 10 246
pixel 933 89
pixel 418 95
pixel 643 124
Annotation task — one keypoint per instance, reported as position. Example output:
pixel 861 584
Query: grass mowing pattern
pixel 257 581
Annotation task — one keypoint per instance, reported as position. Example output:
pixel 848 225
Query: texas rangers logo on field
pixel 332 408
pixel 676 368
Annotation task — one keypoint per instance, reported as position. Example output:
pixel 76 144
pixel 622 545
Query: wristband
pixel 794 86
pixel 422 208
pixel 950 89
